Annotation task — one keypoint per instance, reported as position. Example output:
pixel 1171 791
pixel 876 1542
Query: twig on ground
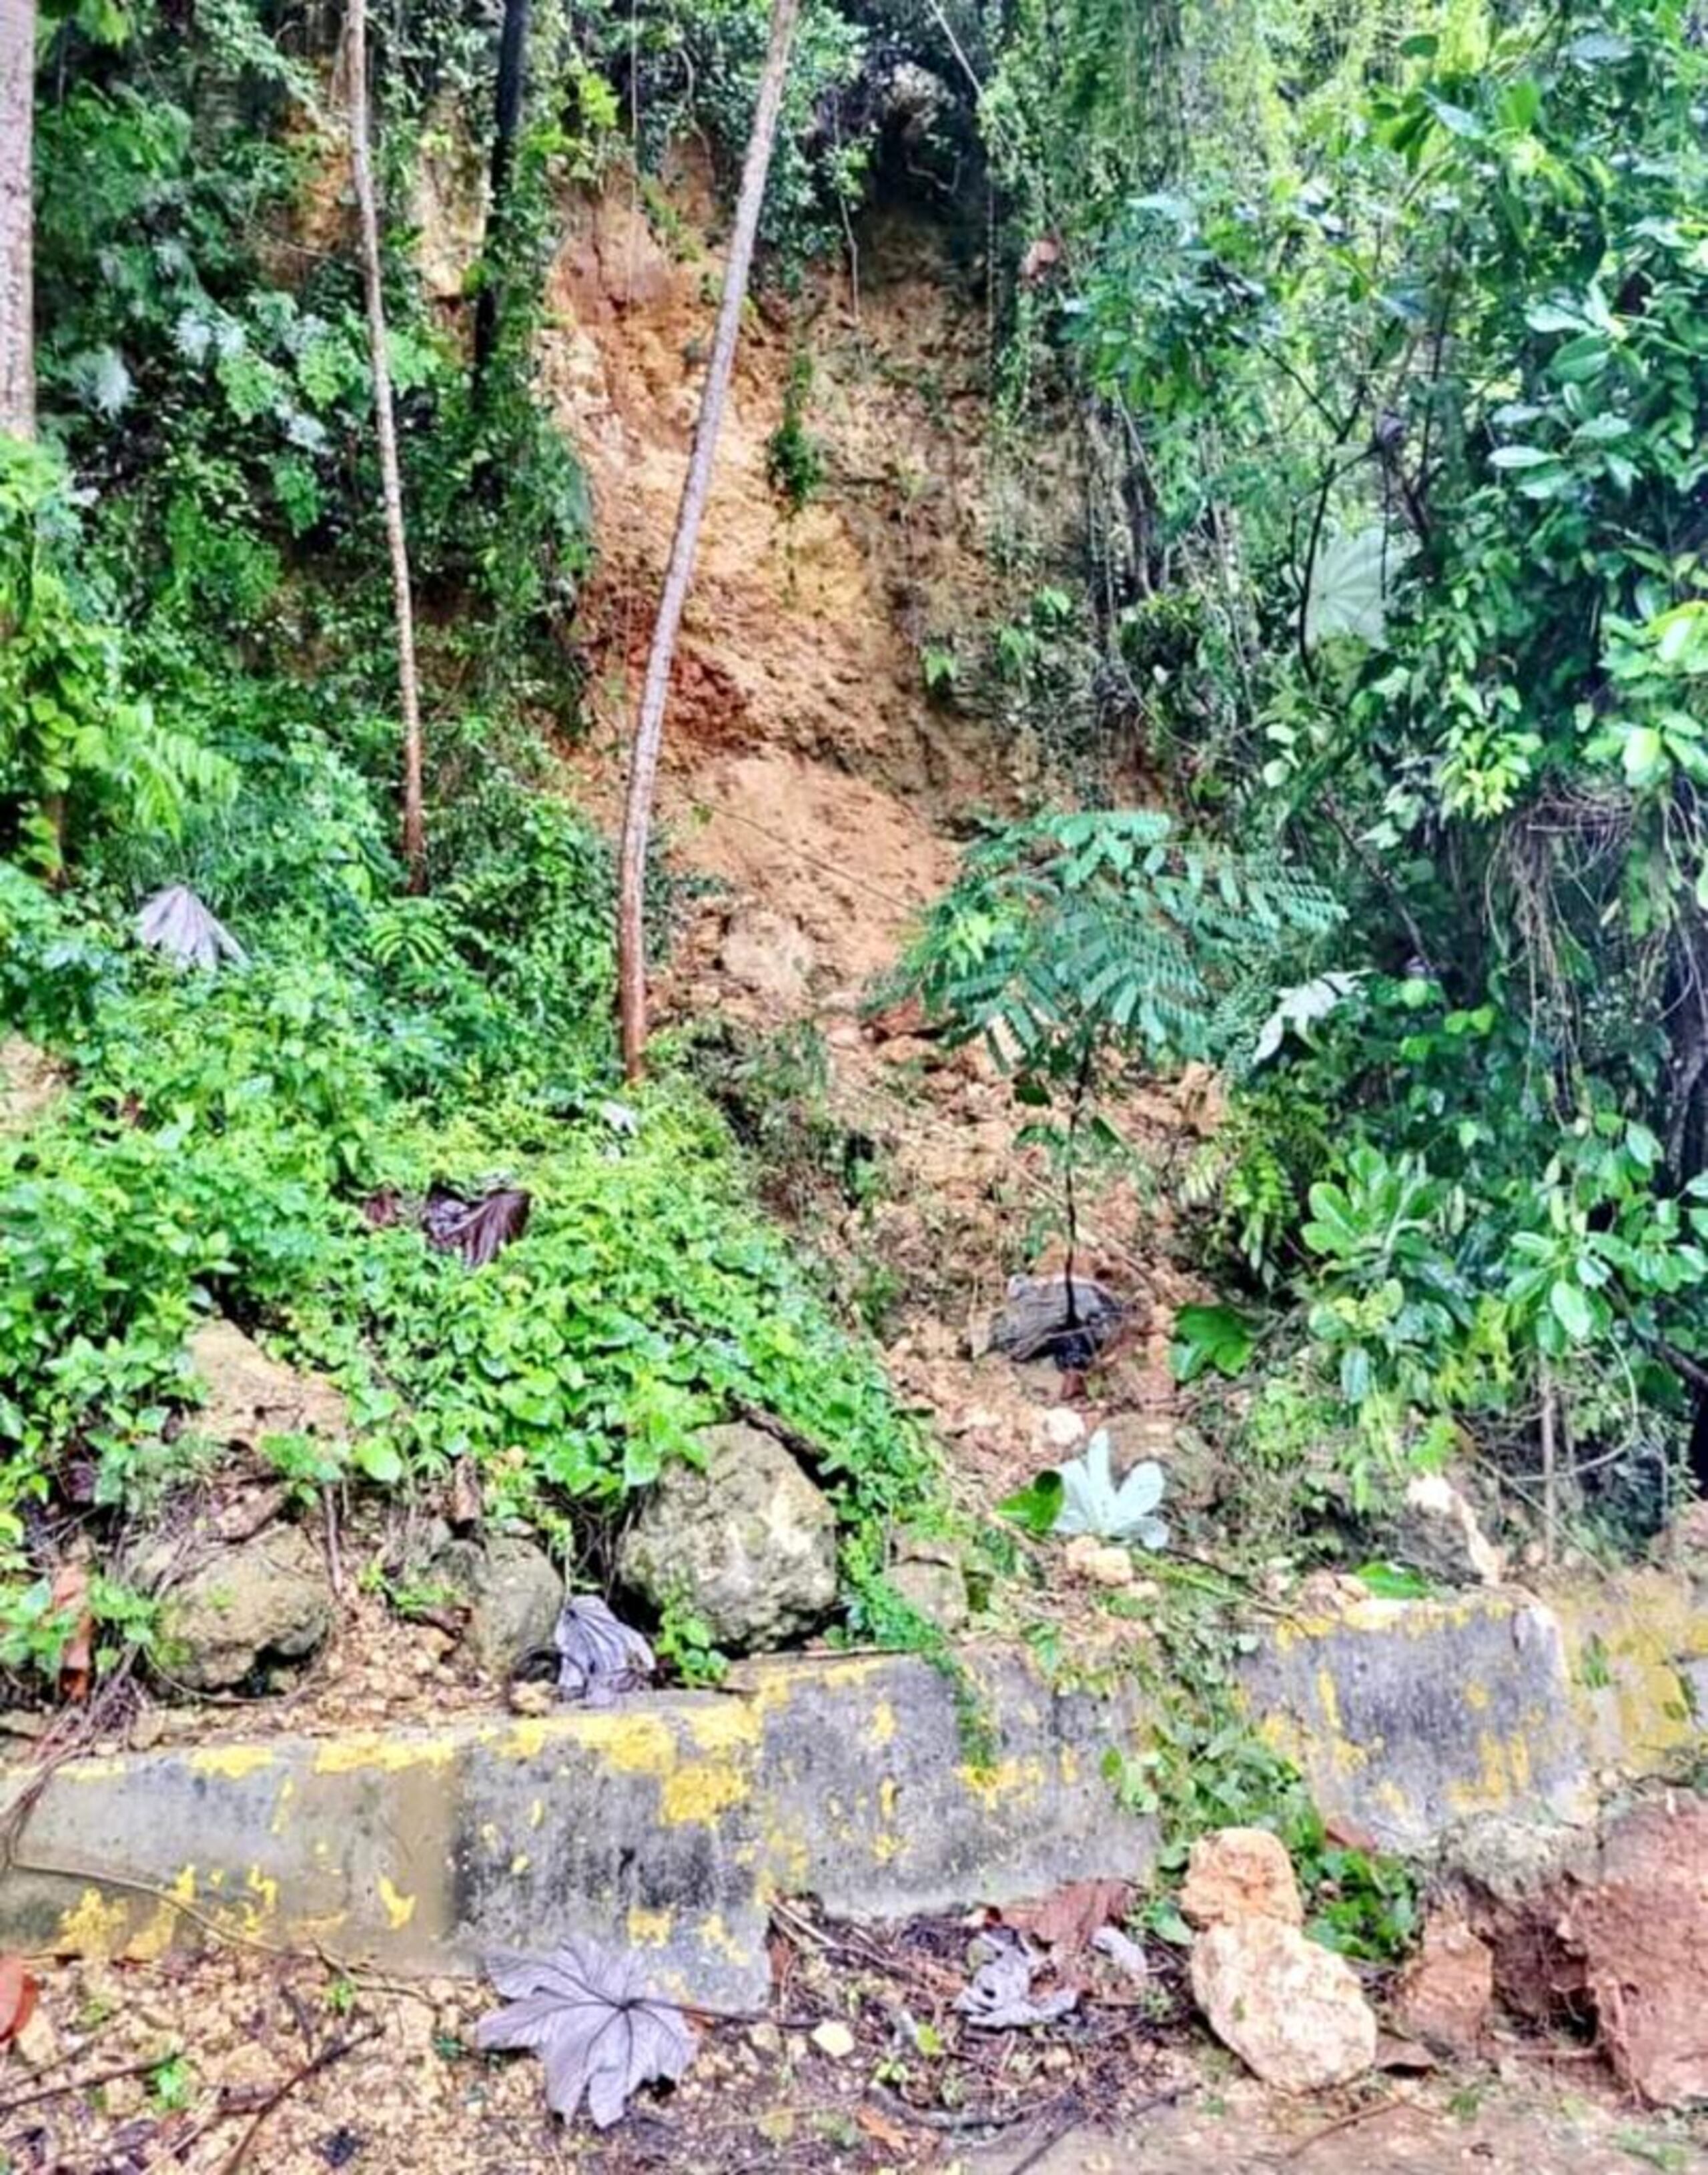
pixel 1346 2122
pixel 72 2085
pixel 300 2076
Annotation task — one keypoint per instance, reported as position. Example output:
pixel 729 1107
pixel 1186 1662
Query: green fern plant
pixel 1074 945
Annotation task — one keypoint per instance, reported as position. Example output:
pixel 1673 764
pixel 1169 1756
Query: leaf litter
pixel 599 2029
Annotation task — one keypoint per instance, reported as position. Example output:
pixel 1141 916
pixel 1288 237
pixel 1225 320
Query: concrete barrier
pixel 671 1821
pixel 675 1821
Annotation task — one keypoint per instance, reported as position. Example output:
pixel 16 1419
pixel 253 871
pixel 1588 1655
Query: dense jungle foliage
pixel 1380 335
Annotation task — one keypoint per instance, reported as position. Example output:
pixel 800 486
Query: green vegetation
pixel 1385 333
pixel 195 687
pixel 1374 338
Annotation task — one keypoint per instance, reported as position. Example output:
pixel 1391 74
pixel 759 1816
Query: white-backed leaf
pixel 1350 580
pixel 599 2030
pixel 175 921
pixel 1091 1503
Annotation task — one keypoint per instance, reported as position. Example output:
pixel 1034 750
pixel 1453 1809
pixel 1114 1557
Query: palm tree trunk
pixel 385 423
pixel 649 726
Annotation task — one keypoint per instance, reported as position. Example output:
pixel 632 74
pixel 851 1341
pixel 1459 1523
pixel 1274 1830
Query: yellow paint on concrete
pixel 281 1813
pixel 631 1744
pixel 1328 1699
pixel 373 1753
pixel 886 1799
pixel 715 1934
pixel 263 1886
pixel 1069 1764
pixel 232 1762
pixel 1005 1782
pixel 96 1926
pixel 881 1730
pixel 729 1726
pixel 520 1864
pixel 398 1908
pixel 216 1878
pixel 1475 1695
pixel 699 1790
pixel 886 1847
pixel 536 1813
pixel 650 1929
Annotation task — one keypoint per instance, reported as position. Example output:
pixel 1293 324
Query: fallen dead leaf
pixel 70 1598
pixel 17 1998
pixel 879 2128
pixel 1065 1922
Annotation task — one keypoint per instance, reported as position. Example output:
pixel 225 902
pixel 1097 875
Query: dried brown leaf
pixel 1065 1921
pixel 18 1992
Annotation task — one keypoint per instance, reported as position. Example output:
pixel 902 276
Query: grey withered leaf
pixel 175 921
pixel 479 1230
pixel 588 2013
pixel 598 1654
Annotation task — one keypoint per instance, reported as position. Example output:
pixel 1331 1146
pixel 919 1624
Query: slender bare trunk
pixel 17 220
pixel 385 421
pixel 649 727
pixel 507 127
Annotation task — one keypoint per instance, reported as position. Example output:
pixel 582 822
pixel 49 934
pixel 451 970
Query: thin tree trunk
pixel 507 125
pixel 649 727
pixel 391 482
pixel 17 220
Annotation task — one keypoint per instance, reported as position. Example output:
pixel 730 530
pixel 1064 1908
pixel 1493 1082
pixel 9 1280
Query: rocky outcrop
pixel 269 1599
pixel 514 1594
pixel 745 1540
pixel 250 1395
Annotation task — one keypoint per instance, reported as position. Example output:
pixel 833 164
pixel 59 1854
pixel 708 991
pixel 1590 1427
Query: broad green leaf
pixel 1571 1308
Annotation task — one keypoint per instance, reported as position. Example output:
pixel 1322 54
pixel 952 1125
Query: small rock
pixel 514 1592
pixel 1101 1562
pixel 1240 1874
pixel 30 1083
pixel 1438 1532
pixel 833 2039
pixel 269 1599
pixel 535 1698
pixel 765 2038
pixel 1294 2013
pixel 747 1541
pixel 938 1591
pixel 36 2043
pixel 1445 1993
pixel 1062 1427
pixel 768 955
pixel 149 1730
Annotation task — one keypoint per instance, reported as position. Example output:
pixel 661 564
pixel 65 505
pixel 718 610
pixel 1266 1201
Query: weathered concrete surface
pixel 677 1820
pixel 673 1821
pixel 1410 1718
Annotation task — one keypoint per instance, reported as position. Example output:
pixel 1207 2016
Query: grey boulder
pixel 745 1541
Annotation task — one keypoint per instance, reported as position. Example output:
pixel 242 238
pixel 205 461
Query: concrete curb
pixel 672 1821
pixel 675 1821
